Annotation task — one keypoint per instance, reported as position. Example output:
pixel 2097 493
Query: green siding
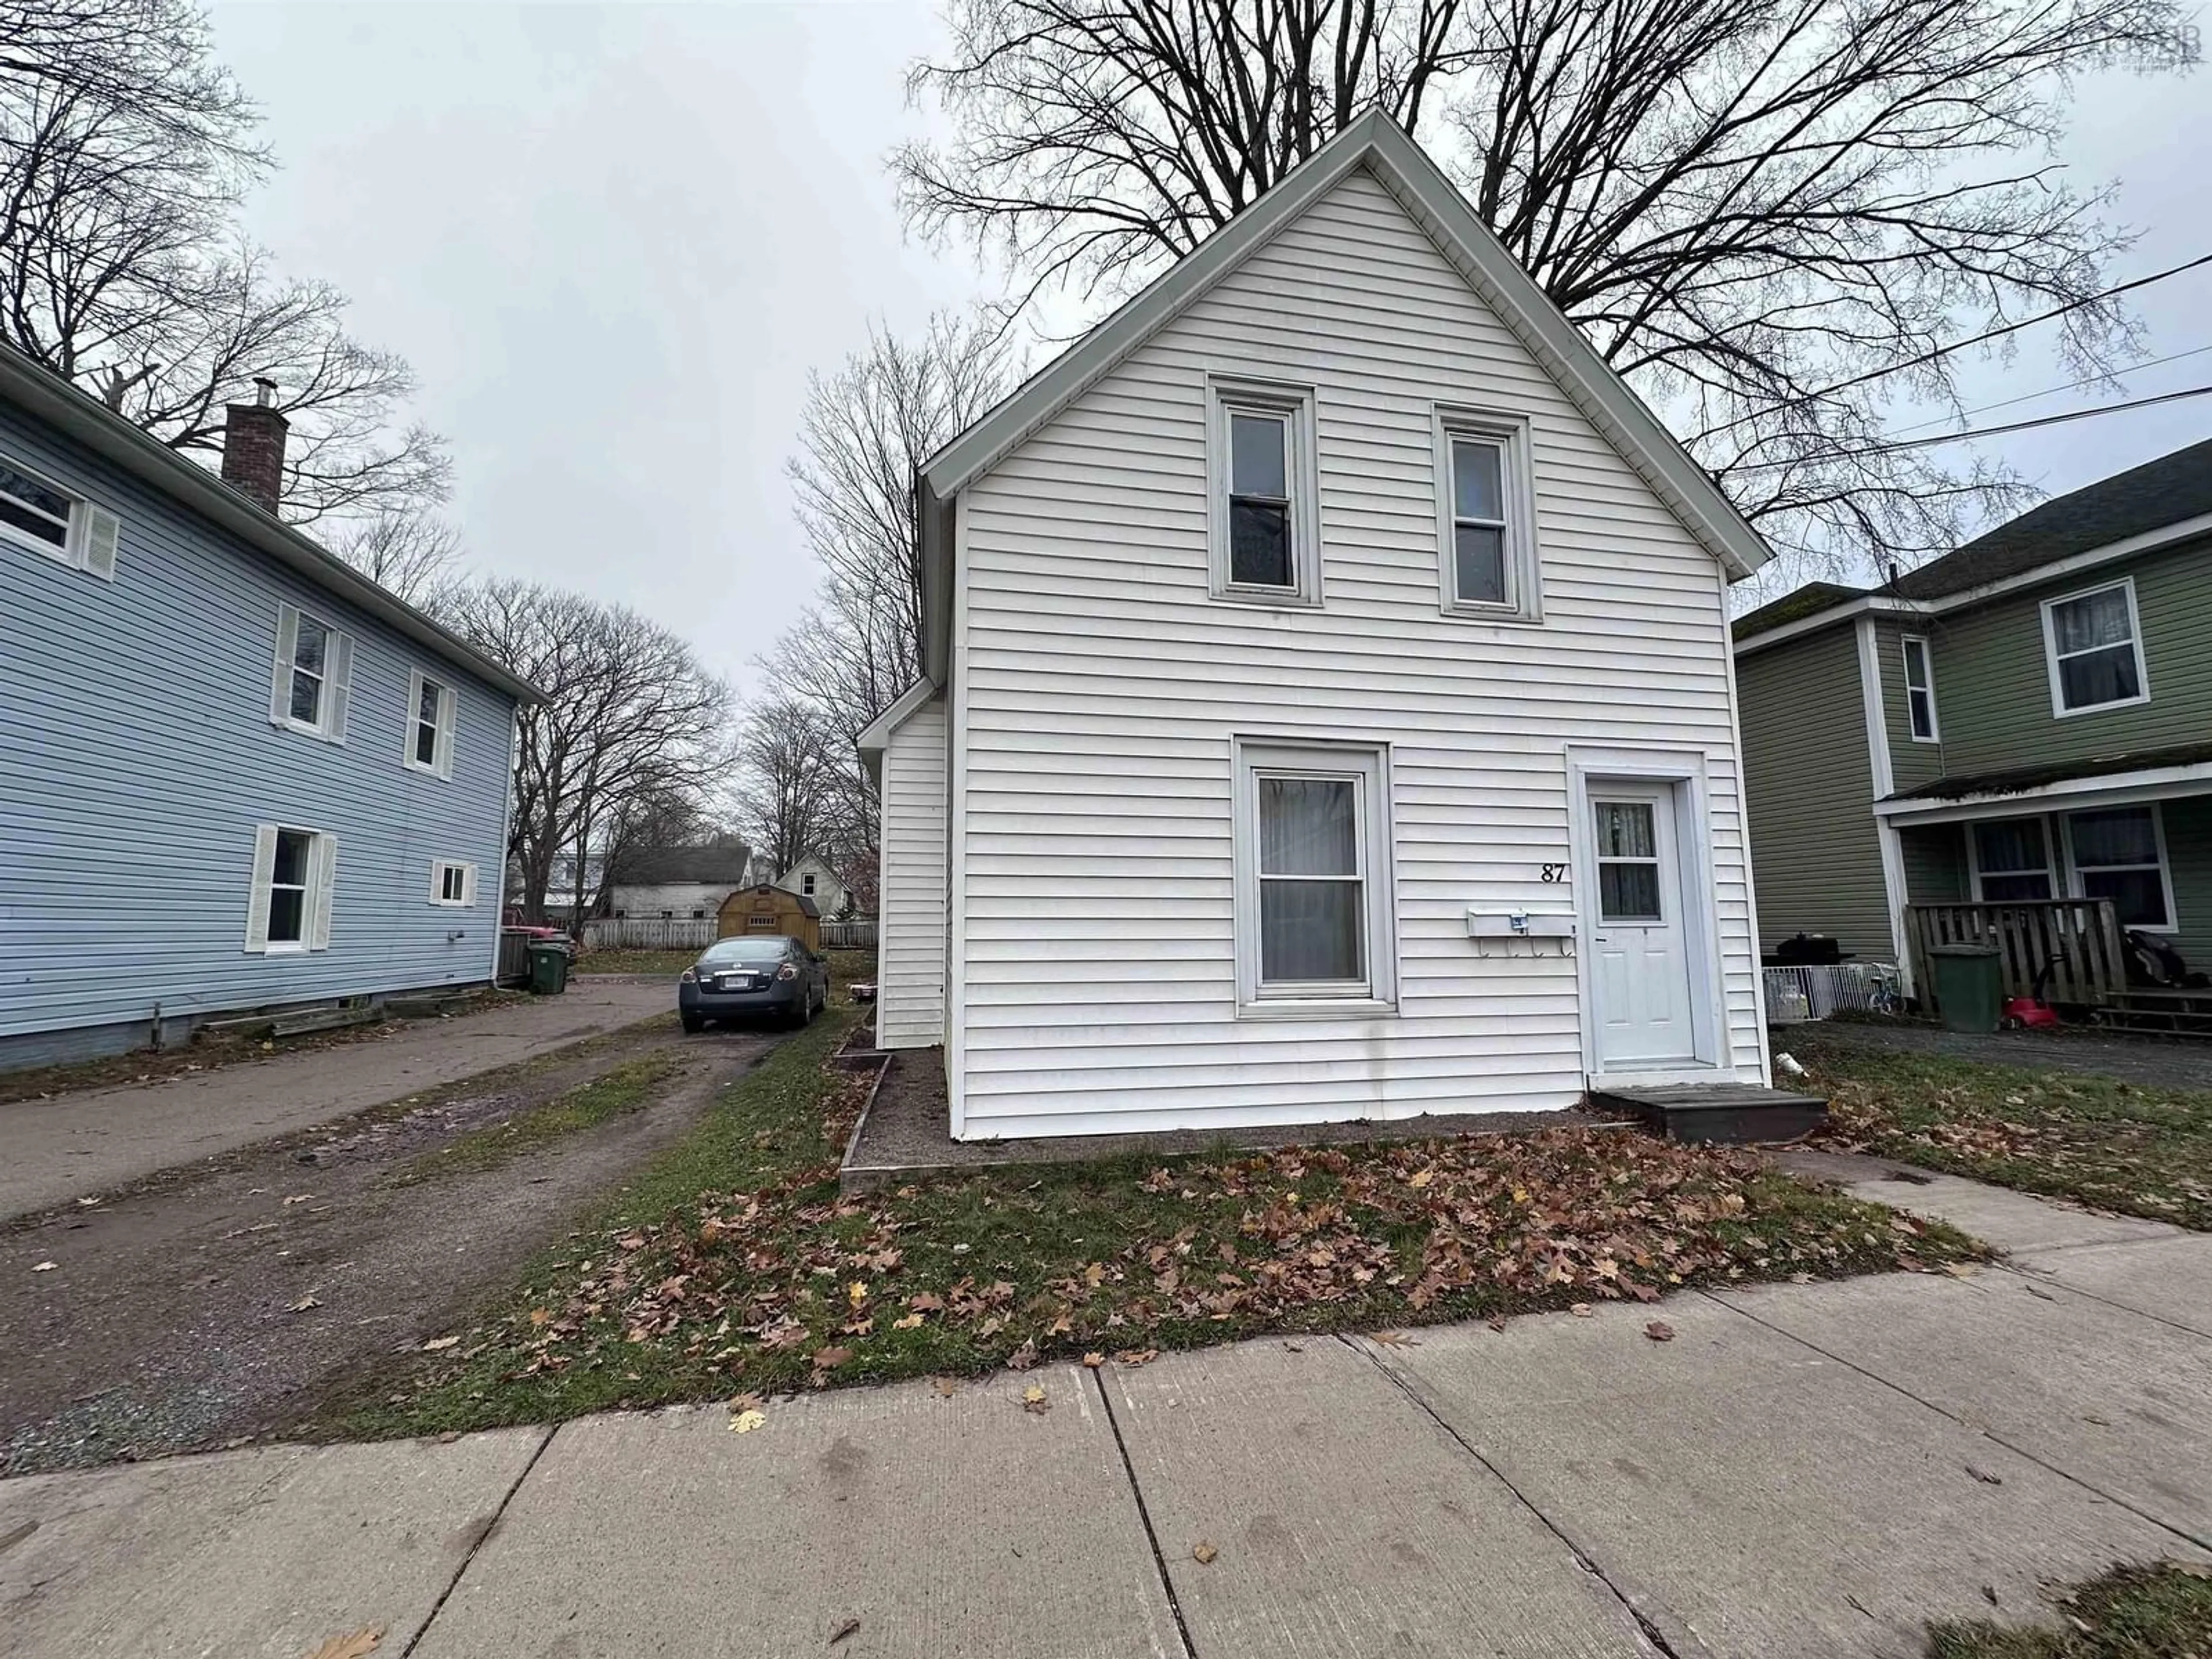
pixel 2189 860
pixel 1993 690
pixel 1911 763
pixel 1935 864
pixel 1810 785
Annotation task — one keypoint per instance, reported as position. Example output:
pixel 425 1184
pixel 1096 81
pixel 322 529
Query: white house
pixel 1328 711
pixel 812 878
pixel 676 882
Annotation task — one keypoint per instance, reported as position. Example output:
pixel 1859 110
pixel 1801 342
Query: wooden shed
pixel 766 909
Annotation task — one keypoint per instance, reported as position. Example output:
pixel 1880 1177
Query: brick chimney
pixel 253 444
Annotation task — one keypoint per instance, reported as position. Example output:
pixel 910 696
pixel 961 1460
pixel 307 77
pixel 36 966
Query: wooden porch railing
pixel 2081 937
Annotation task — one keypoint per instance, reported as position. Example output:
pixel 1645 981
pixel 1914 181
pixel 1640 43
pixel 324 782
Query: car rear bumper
pixel 781 997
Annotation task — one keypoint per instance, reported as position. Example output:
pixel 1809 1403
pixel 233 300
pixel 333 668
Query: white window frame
pixel 1294 405
pixel 2050 657
pixel 1926 688
pixel 90 534
pixel 1524 594
pixel 2054 875
pixel 806 883
pixel 331 708
pixel 2076 888
pixel 441 764
pixel 439 870
pixel 318 894
pixel 1369 765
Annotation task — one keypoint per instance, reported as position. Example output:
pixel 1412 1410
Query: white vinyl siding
pixel 1098 688
pixel 311 679
pixel 910 969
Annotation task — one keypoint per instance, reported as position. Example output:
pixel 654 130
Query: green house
pixel 2025 720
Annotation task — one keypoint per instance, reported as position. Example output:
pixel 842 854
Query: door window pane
pixel 1625 830
pixel 1628 893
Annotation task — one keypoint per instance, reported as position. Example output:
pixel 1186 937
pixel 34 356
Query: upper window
pixel 289 905
pixel 1919 690
pixel 310 682
pixel 807 883
pixel 48 519
pixel 430 719
pixel 2012 861
pixel 1488 545
pixel 1314 914
pixel 1264 530
pixel 2120 855
pixel 2094 644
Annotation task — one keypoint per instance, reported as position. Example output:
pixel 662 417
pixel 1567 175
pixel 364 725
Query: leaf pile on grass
pixel 2100 1141
pixel 769 1279
pixel 2131 1612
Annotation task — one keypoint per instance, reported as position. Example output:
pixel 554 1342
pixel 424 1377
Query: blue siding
pixel 137 757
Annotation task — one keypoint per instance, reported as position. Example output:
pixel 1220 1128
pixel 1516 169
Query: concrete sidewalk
pixel 1802 1471
pixel 75 1144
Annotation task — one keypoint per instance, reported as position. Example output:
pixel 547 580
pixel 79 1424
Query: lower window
pixel 2118 854
pixel 1313 904
pixel 293 873
pixel 2012 861
pixel 453 882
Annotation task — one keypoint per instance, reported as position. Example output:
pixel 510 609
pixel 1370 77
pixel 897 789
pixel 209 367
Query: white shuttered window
pixel 432 712
pixel 311 679
pixel 294 873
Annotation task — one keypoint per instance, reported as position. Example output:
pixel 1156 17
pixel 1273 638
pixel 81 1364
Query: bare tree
pixel 866 430
pixel 124 152
pixel 1740 204
pixel 790 779
pixel 631 721
pixel 413 553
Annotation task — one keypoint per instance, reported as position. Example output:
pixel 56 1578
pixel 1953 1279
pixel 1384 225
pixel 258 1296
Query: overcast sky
pixel 613 240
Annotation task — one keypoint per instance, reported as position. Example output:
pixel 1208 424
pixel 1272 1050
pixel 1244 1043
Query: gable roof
pixel 1377 143
pixel 45 396
pixel 2166 491
pixel 710 864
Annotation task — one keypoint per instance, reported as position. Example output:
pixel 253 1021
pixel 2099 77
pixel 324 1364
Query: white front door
pixel 1640 955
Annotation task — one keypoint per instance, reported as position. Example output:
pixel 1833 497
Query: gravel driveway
pixel 232 1298
pixel 75 1145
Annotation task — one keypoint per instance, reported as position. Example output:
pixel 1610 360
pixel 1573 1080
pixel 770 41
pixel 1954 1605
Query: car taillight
pixel 787 972
pixel 689 976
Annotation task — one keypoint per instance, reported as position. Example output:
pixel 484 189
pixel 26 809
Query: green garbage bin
pixel 1969 985
pixel 549 969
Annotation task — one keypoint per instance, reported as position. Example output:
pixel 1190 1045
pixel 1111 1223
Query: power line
pixel 1987 431
pixel 1988 335
pixel 2052 392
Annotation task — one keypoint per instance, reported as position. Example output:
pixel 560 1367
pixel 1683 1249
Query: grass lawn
pixel 2116 1145
pixel 733 1265
pixel 2131 1612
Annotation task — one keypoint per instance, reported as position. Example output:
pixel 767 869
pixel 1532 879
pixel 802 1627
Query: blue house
pixel 234 773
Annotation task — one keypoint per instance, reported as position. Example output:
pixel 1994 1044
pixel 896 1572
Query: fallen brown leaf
pixel 906 1323
pixel 437 1343
pixel 1094 1360
pixel 350 1646
pixel 1034 1400
pixel 1204 1553
pixel 829 1358
pixel 843 1630
pixel 1395 1339
pixel 746 1422
pixel 945 1386
pixel 305 1303
pixel 1582 1310
pixel 1660 1331
pixel 1136 1356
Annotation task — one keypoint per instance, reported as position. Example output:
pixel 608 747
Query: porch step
pixel 1730 1114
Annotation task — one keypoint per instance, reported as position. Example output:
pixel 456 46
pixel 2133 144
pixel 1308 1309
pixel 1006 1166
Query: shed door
pixel 1640 963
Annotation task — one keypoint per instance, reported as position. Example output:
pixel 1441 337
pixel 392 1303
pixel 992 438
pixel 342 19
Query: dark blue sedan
pixel 756 975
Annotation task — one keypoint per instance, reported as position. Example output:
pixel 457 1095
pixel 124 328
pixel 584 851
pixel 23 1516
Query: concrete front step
pixel 1729 1114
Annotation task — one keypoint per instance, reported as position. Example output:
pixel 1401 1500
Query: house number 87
pixel 1555 872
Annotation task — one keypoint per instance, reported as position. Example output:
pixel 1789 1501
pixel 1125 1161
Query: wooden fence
pixel 685 933
pixel 649 933
pixel 2078 938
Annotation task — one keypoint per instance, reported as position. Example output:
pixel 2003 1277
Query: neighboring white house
pixel 675 882
pixel 812 878
pixel 1326 610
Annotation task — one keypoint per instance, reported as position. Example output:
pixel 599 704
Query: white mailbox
pixel 1521 932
